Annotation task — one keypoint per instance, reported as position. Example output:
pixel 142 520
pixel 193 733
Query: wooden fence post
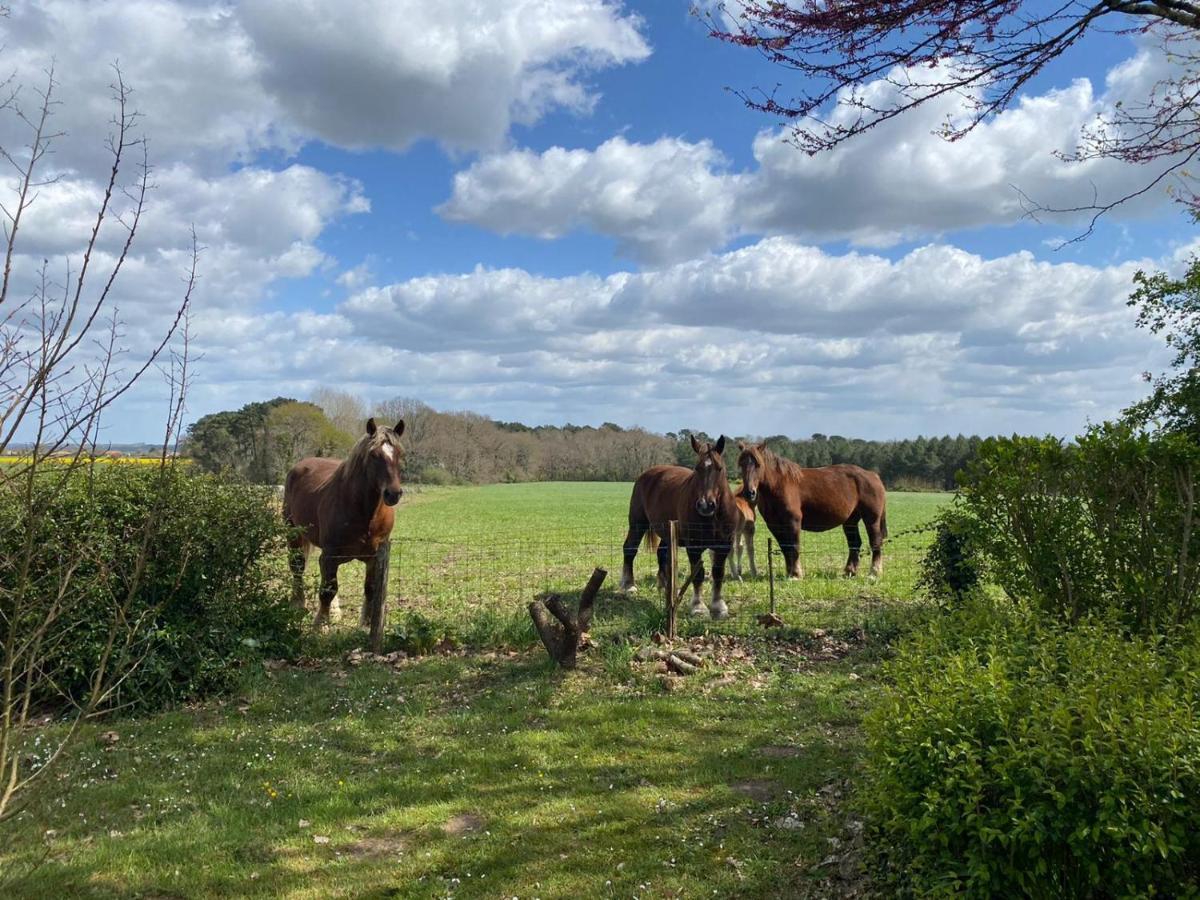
pixel 378 610
pixel 771 572
pixel 673 576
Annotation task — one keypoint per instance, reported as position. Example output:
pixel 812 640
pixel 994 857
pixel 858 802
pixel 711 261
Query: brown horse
pixel 700 502
pixel 743 536
pixel 792 499
pixel 345 509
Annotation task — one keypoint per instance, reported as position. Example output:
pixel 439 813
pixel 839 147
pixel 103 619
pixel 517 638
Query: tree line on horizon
pixel 260 442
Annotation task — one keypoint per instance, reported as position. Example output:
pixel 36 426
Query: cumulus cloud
pixel 219 83
pixel 777 336
pixel 385 73
pixel 670 199
pixel 663 202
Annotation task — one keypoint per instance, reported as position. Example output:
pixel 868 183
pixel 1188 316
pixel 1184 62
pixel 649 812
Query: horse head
pixel 710 474
pixel 751 462
pixel 385 459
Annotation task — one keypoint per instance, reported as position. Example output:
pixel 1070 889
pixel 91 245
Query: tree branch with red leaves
pixel 863 63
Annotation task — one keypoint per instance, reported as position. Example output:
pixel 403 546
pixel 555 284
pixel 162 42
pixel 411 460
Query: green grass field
pixel 470 552
pixel 486 772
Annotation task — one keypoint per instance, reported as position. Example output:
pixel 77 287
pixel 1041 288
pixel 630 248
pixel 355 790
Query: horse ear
pixel 399 429
pixel 371 426
pixel 720 445
pixel 761 445
pixel 741 445
pixel 695 444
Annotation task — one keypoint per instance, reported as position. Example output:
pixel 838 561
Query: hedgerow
pixel 181 558
pixel 1012 757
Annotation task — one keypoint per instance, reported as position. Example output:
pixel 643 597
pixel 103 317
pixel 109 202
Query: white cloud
pixel 777 336
pixel 387 72
pixel 670 199
pixel 663 202
pixel 218 83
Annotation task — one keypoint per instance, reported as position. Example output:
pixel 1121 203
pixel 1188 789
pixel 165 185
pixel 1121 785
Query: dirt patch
pixel 760 789
pixel 377 846
pixel 779 752
pixel 465 823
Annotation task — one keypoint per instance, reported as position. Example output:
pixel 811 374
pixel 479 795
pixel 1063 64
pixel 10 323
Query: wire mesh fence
pixel 469 572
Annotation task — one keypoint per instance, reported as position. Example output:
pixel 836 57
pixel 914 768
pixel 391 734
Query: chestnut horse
pixel 700 502
pixel 743 536
pixel 792 499
pixel 345 509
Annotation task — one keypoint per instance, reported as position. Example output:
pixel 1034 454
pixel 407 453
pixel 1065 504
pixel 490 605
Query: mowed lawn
pixel 485 772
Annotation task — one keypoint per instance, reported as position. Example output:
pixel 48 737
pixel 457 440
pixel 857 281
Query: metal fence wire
pixel 477 571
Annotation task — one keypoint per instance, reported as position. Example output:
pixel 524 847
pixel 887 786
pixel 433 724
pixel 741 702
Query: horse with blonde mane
pixel 346 509
pixel 792 499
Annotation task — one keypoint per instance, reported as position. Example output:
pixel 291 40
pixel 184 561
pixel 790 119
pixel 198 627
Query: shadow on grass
pixel 578 787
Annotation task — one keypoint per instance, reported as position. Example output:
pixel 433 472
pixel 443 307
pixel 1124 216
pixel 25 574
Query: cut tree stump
pixel 559 630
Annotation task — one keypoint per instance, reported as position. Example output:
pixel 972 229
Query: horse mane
pixel 784 466
pixel 356 459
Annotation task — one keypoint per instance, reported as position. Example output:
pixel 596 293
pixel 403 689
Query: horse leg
pixel 748 539
pixel 789 545
pixel 329 589
pixel 637 531
pixel 364 615
pixel 696 572
pixel 297 558
pixel 717 608
pixel 875 535
pixel 664 566
pixel 735 558
pixel 854 542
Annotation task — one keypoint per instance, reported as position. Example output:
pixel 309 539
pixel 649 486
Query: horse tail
pixel 651 540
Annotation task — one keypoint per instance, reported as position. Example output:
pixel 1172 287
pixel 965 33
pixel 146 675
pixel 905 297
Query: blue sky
pixel 553 210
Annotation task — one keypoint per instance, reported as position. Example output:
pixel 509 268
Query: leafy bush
pixel 1107 525
pixel 188 552
pixel 1012 758
pixel 954 567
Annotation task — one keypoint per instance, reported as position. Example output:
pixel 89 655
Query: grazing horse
pixel 700 502
pixel 743 536
pixel 345 509
pixel 792 499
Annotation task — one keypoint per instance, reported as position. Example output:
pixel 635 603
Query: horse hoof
pixel 720 611
pixel 697 609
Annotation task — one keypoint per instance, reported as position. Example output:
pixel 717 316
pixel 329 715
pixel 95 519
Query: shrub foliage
pixel 189 550
pixel 1107 525
pixel 1012 758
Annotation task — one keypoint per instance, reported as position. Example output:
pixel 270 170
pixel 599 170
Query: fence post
pixel 378 610
pixel 673 576
pixel 771 572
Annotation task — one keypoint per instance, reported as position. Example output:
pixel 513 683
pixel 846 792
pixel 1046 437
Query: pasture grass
pixel 466 776
pixel 488 773
pixel 475 556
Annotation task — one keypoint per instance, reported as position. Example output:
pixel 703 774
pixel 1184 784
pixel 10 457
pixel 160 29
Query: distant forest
pixel 260 441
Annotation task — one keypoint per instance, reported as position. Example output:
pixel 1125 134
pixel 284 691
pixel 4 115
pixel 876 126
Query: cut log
pixel 559 630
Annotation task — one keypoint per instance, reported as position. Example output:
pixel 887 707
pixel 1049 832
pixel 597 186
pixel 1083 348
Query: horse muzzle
pixel 706 508
pixel 751 494
pixel 391 498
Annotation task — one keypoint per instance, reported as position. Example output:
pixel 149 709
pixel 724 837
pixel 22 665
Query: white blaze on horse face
pixel 388 451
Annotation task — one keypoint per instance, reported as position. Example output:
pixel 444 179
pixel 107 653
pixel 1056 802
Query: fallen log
pixel 561 632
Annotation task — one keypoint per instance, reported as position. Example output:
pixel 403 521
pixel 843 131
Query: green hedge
pixel 1012 758
pixel 1108 525
pixel 207 600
